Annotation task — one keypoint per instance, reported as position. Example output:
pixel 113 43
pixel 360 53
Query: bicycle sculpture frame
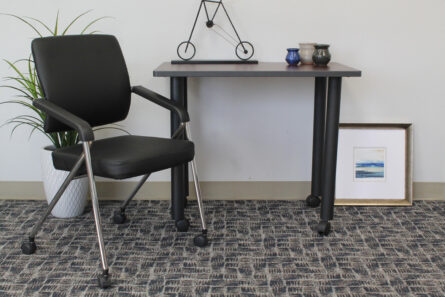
pixel 244 50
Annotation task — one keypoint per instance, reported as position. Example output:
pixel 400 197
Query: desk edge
pixel 160 73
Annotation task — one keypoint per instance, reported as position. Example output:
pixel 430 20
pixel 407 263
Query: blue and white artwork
pixel 369 164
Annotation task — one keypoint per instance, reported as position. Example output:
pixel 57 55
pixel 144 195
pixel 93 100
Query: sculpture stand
pixel 244 50
pixel 213 62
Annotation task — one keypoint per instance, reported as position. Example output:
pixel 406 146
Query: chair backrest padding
pixel 84 74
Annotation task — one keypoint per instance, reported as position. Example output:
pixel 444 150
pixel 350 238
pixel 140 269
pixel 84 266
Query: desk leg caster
pixel 201 240
pixel 313 201
pixel 182 225
pixel 324 228
pixel 104 280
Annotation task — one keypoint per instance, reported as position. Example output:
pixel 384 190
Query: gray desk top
pixel 263 69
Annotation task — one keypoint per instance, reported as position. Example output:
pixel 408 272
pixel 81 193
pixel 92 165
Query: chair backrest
pixel 84 74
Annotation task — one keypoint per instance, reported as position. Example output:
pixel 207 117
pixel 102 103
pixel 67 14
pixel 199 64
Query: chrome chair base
pixel 29 246
pixel 119 217
pixel 104 280
pixel 201 240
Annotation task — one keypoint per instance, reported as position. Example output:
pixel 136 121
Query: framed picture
pixel 374 165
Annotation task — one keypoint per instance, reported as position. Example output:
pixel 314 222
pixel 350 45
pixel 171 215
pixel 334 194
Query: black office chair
pixel 86 84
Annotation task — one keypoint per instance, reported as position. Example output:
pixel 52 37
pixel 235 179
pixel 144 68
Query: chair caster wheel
pixel 182 225
pixel 28 247
pixel 201 240
pixel 119 217
pixel 312 201
pixel 104 281
pixel 324 228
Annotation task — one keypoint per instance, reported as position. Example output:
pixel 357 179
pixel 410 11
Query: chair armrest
pixel 162 101
pixel 81 126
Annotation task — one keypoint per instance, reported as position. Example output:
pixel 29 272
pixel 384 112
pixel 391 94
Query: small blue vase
pixel 293 57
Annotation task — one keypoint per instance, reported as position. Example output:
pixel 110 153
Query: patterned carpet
pixel 258 248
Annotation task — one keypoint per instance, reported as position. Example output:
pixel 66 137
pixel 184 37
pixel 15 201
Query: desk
pixel 326 118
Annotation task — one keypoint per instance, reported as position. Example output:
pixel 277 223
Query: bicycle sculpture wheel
pixel 243 49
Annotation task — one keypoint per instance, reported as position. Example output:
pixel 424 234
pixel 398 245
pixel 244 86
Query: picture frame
pixel 374 165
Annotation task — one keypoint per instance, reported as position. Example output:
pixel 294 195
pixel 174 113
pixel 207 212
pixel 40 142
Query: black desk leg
pixel 186 166
pixel 330 156
pixel 179 181
pixel 313 200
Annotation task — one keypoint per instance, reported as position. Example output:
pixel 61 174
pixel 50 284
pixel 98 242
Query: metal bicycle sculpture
pixel 244 50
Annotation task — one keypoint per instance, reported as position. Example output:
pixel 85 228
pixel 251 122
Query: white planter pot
pixel 73 200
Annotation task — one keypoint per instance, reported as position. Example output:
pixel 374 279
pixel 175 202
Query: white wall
pixel 260 129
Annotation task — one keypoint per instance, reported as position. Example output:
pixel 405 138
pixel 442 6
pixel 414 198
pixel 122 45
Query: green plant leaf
pixel 20 81
pixel 18 125
pixel 25 21
pixel 30 74
pixel 29 118
pixel 26 85
pixel 12 65
pixel 57 24
pixel 54 139
pixel 94 21
pixel 25 95
pixel 75 20
pixel 17 78
pixel 26 104
pixel 21 60
pixel 32 132
pixel 29 85
pixel 21 123
pixel 41 23
pixel 112 128
pixel 34 122
pixel 39 87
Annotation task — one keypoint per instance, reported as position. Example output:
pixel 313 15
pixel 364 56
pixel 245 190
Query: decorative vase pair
pixel 309 53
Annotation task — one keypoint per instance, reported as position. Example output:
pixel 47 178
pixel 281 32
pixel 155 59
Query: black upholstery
pixel 86 84
pixel 84 74
pixel 127 156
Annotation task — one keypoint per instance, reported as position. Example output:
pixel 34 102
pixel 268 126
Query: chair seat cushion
pixel 127 156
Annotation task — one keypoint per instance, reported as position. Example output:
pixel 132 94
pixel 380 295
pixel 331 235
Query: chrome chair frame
pixel 29 246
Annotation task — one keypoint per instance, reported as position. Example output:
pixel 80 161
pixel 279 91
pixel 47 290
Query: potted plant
pixel 26 84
